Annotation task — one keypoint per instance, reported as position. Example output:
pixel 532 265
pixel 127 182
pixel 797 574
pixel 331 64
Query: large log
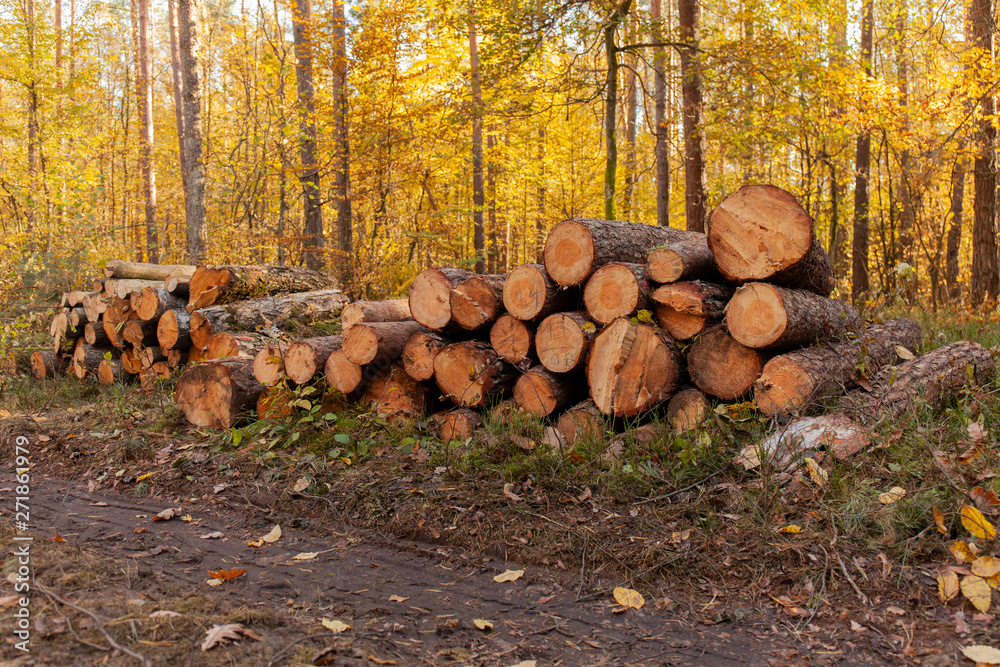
pixel 615 290
pixel 419 353
pixel 118 268
pixel 73 298
pixel 118 313
pixel 140 332
pixel 631 368
pixel 800 379
pixel 562 341
pixel 217 394
pixel 513 340
pixel 761 232
pixel 542 392
pixel 456 424
pixel 686 259
pixel 307 357
pixel 152 302
pixel 768 317
pixel 722 366
pixel 48 364
pixel 685 309
pixel 687 409
pixel 86 359
pixel 95 334
pixel 269 364
pixel 389 310
pixel 430 295
pixel 379 342
pixel 173 329
pixel 477 301
pixel 243 345
pixel 471 373
pixel 123 287
pixel 575 249
pixel 530 294
pixel 395 395
pixel 346 376
pixel 581 421
pixel 212 285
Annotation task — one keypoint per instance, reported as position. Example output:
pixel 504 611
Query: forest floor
pixel 399 536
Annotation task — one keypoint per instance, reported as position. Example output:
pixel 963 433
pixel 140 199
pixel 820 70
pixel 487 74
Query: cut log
pixel 344 375
pixel 306 358
pixel 631 368
pixel 109 371
pixel 197 355
pixel 835 432
pixel 212 285
pixel 456 424
pixel 178 285
pixel 275 403
pixel 478 301
pixel 77 317
pixel 118 268
pixel 530 294
pixel 95 335
pixel 721 366
pixel 94 306
pixel 430 295
pixel 86 359
pixel 803 378
pixel 217 394
pixel 160 370
pixel 767 317
pixel 151 355
pixel 242 345
pixel 140 332
pixel 152 302
pixel 118 313
pixel 615 290
pixel 131 362
pixel 122 288
pixel 379 342
pixel 562 341
pixel 688 409
pixel 685 309
pixel 513 340
pixel 395 395
pixel 205 323
pixel 175 357
pixel 419 353
pixel 46 364
pixel 173 329
pixel 74 298
pixel 390 310
pixel 575 249
pixel 269 364
pixel 761 232
pixel 686 259
pixel 471 373
pixel 542 392
pixel 98 285
pixel 581 421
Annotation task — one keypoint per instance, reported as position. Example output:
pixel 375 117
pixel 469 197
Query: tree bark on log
pixel 123 287
pixel 419 353
pixel 217 394
pixel 631 368
pixel 477 301
pixel 95 335
pixel 269 364
pixel 581 421
pixel 456 424
pixel 562 341
pixel 379 342
pixel 542 392
pixel 685 309
pixel 513 340
pixel 242 345
pixel 761 232
pixel 173 329
pixel 118 268
pixel 721 366
pixel 178 285
pixel 768 317
pixel 118 313
pixel 471 373
pixel 306 358
pixel 152 302
pixel 217 285
pixel 390 310
pixel 802 378
pixel 575 249
pixel 615 290
pixel 86 360
pixel 48 364
pixel 139 332
pixel 686 259
pixel 430 295
pixel 395 395
pixel 529 294
pixel 687 409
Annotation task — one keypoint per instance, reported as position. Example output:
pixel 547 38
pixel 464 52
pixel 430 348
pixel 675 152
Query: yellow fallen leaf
pixel 985 566
pixel 947 585
pixel 627 597
pixel 976 523
pixel 962 552
pixel 335 626
pixel 305 555
pixel 397 598
pixel 527 663
pixel 978 592
pixel 818 475
pixel 994 582
pixel 892 495
pixel 142 477
pixel 903 353
pixel 509 575
pixel 214 582
pixel 939 521
pixel 301 484
pixel 791 528
pixel 270 538
pixel 982 655
pixel 482 624
pixel 187 517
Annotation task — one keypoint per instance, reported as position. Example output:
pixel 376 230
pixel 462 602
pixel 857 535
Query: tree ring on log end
pixel 433 306
pixel 756 315
pixel 782 386
pixel 560 343
pixel 569 253
pixel 524 292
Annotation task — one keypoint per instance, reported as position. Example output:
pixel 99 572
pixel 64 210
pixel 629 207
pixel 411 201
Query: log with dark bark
pixel 615 290
pixel 456 424
pixel 513 340
pixel 685 309
pixel 562 341
pixel 95 335
pixel 217 394
pixel 419 353
pixel 430 295
pixel 173 329
pixel 118 268
pixel 768 317
pixel 109 371
pixel 178 285
pixel 803 378
pixel 477 301
pixel 139 332
pixel 471 373
pixel 761 232
pixel 94 306
pixel 243 345
pixel 395 395
pixel 86 359
pixel 48 364
pixel 77 317
pixel 269 364
pixel 687 409
pixel 687 259
pixel 631 368
pixel 275 403
pixel 306 358
pixel 379 342
pixel 722 366
pixel 389 310
pixel 542 392
pixel 530 294
pixel 118 313
pixel 211 285
pixel 581 421
pixel 575 249
pixel 152 302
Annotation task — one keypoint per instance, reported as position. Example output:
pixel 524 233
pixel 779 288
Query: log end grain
pixel 631 368
pixel 457 424
pixel 475 303
pixel 269 365
pixel 613 291
pixel 216 394
pixel 343 374
pixel 569 253
pixel 430 298
pixel 562 341
pixel 722 366
pixel 688 409
pixel 419 353
pixel 783 386
pixel 581 421
pixel 469 373
pixel 680 325
pixel 664 265
pixel 512 339
pixel 757 316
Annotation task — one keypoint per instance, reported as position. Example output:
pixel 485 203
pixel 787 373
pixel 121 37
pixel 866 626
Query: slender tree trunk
pixel 985 277
pixel 907 222
pixel 631 106
pixel 178 88
pixel 342 173
pixel 144 96
pixel 540 199
pixel 194 201
pixel 859 271
pixel 688 15
pixel 955 229
pixel 491 187
pixel 312 209
pixel 662 130
pixel 611 108
pixel 33 147
pixel 478 200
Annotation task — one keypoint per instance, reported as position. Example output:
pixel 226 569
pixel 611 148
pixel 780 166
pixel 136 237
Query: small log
pixel 151 355
pixel 94 306
pixel 574 249
pixel 160 370
pixel 581 421
pixel 118 268
pixel 767 317
pixel 275 403
pixel 218 393
pixel 178 285
pixel 98 285
pixel 687 409
pixel 687 259
pixel 542 392
pixel 95 335
pixel 175 357
pixel 123 287
pixel 74 298
pixel 131 361
pixel 77 317
pixel 562 341
pixel 344 375
pixel 173 329
pixel 307 357
pixel 242 345
pixel 389 310
pixel 204 324
pixel 48 364
pixel 140 332
pixel 615 290
pixel 379 342
pixel 456 424
pixel 721 366
pixel 478 301
pixel 211 285
pixel 395 395
pixel 86 359
pixel 430 295
pixel 197 355
pixel 152 302
pixel 269 364
pixel 419 353
pixel 685 309
pixel 109 371
pixel 118 313
pixel 471 373
pixel 631 368
pixel 530 294
pixel 761 232
pixel 513 340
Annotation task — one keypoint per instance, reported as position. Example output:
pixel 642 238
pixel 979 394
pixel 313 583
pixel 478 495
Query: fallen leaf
pixel 305 555
pixel 857 627
pixel 903 353
pixel 818 475
pixel 791 528
pixel 962 551
pixel 220 633
pixel 895 610
pixel 985 566
pixel 509 493
pixel 9 601
pixel 939 521
pixel 167 514
pixel 529 663
pixel 978 592
pixel 984 498
pixel 892 495
pixel 140 529
pixel 586 495
pixel 509 575
pixel 961 627
pixel 982 654
pixel 270 538
pixel 976 432
pixel 226 575
pixel 99 504
pixel 335 626
pixel 164 613
pixel 58 538
pixel 482 624
pixel 397 598
pixel 629 598
pixel 947 586
pixel 212 536
pixel 380 661
pixel 187 517
pixel 214 582
pixel 976 523
pixel 301 484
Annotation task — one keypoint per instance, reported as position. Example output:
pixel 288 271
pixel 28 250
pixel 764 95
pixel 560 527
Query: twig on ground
pixel 850 580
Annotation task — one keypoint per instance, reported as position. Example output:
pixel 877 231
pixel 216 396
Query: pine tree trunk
pixel 390 310
pixel 217 394
pixel 615 290
pixel 859 251
pixel 765 316
pixel 955 229
pixel 478 197
pixel 985 279
pixel 722 366
pixel 144 91
pixel 661 128
pixel 342 147
pixel 312 209
pixel 176 71
pixel 696 198
pixel 563 340
pixel 194 201
pixel 211 285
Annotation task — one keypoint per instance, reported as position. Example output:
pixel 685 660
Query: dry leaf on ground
pixel 335 626
pixel 982 655
pixel 986 566
pixel 482 624
pixel 629 598
pixel 790 529
pixel 164 613
pixel 231 631
pixel 947 585
pixel 978 592
pixel 226 575
pixel 270 538
pixel 509 575
pixel 939 521
pixel 167 514
pixel 305 555
pixel 976 523
pixel 963 551
pixel 892 495
pixel 397 598
pixel 985 499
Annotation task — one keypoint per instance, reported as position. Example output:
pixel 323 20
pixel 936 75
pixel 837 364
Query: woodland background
pixel 380 137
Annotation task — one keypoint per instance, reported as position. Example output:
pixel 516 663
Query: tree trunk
pixel 581 421
pixel 178 89
pixel 86 360
pixel 430 295
pixel 615 290
pixel 48 364
pixel 513 340
pixel 477 301
pixel 457 424
pixel 684 260
pixel 312 208
pixel 478 198
pixel 472 373
pixel 721 366
pixel 379 342
pixel 530 294
pixel 341 137
pixel 144 94
pixel 153 302
pixel 688 409
pixel 173 329
pixel 859 270
pixel 395 395
pixel 985 282
pixel 768 317
pixel 907 218
pixel 225 284
pixel 955 229
pixel 269 364
pixel 661 128
pixel 217 394
pixel 563 340
pixel 194 201
pixel 390 310
pixel 696 198
pixel 94 334
pixel 542 392
pixel 685 309
pixel 611 107
pixel 306 358
pixel 419 353
pixel 118 268
pixel 242 345
pixel 631 104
